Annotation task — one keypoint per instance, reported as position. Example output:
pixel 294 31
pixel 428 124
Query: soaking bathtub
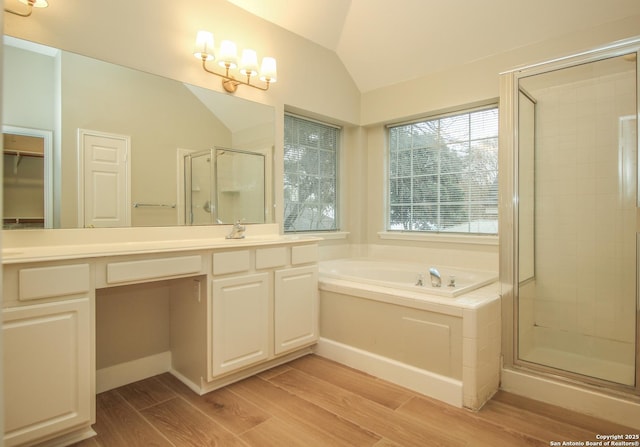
pixel 443 342
pixel 409 276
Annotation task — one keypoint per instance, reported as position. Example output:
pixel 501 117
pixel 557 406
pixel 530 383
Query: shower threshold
pixel 617 372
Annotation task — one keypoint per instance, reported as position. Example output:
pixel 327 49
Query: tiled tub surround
pixel 444 347
pixel 220 309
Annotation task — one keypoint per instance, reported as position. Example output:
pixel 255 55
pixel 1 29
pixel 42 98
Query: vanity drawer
pixel 149 269
pixel 271 257
pixel 304 254
pixel 231 262
pixel 53 281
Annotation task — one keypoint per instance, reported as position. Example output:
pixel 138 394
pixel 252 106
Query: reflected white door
pixel 104 187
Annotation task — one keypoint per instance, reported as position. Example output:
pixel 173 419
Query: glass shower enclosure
pixel 570 270
pixel 223 186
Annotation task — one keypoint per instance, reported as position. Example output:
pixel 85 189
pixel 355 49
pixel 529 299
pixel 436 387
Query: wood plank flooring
pixel 316 402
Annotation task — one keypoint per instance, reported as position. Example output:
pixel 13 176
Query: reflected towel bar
pixel 155 205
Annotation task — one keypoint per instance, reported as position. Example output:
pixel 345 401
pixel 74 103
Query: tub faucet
pixel 436 279
pixel 237 232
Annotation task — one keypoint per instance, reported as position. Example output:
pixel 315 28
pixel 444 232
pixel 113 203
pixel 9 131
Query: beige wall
pixel 30 101
pixel 159 116
pixel 131 322
pixel 160 39
pixel 468 84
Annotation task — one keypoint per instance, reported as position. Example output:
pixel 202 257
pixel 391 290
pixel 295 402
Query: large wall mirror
pixel 93 144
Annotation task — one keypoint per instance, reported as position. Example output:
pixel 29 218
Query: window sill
pixel 322 234
pixel 440 237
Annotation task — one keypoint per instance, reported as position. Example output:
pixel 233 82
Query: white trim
pixel 433 385
pixel 449 112
pixel 471 239
pixel 30 46
pixel 320 234
pixel 313 120
pixel 571 397
pixel 69 438
pixel 124 373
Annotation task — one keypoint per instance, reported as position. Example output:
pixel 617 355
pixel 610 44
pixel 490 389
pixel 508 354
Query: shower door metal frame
pixel 509 211
pixel 188 187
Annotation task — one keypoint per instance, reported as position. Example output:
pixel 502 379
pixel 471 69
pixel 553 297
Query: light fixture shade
pixel 249 63
pixel 204 46
pixel 35 3
pixel 228 54
pixel 268 71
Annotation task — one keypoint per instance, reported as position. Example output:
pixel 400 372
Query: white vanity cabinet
pixel 229 309
pixel 262 310
pixel 295 308
pixel 48 343
pixel 239 322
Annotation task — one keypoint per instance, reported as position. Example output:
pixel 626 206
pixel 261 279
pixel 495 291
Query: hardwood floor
pixel 316 402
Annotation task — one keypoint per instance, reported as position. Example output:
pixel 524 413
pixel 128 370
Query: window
pixel 443 174
pixel 310 175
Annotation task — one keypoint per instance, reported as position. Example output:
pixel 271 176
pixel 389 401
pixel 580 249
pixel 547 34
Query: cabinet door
pixel 296 308
pixel 47 369
pixel 240 322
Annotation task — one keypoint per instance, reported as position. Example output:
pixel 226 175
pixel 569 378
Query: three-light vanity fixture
pixel 31 4
pixel 228 59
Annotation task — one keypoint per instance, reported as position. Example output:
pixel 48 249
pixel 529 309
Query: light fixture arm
pixel 229 83
pixel 21 14
pixel 30 4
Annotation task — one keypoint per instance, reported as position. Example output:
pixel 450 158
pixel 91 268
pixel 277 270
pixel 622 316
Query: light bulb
pixel 204 46
pixel 249 64
pixel 268 70
pixel 228 54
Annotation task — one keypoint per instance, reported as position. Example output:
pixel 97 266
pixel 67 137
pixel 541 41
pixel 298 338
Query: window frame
pixel 436 235
pixel 337 164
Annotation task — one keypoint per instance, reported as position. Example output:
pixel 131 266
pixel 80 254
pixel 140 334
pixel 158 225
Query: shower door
pixel 200 207
pixel 576 190
pixel 240 186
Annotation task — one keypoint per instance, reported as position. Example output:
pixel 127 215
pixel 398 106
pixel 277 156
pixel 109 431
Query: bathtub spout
pixel 436 279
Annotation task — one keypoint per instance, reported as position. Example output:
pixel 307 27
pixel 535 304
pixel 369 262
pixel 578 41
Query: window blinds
pixel 310 175
pixel 443 174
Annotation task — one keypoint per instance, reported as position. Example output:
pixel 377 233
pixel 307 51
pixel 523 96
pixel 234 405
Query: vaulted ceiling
pixel 383 42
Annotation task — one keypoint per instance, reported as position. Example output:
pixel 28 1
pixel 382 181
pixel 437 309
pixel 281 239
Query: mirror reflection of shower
pixel 224 186
pixel 199 206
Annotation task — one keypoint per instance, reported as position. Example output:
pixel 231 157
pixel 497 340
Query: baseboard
pixel 128 372
pixel 206 387
pixel 433 385
pixel 182 378
pixel 69 439
pixel 571 397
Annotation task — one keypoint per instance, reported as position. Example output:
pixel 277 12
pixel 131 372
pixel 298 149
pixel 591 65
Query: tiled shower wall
pixel 583 297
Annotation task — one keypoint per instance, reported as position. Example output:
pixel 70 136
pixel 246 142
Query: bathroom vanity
pixel 237 307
